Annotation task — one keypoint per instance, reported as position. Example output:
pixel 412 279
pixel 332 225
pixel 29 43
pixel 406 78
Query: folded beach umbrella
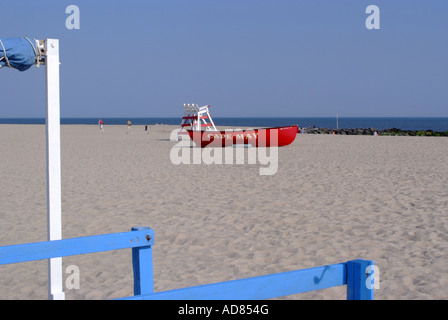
pixel 17 53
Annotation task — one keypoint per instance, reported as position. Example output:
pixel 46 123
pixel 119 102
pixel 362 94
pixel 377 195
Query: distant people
pixel 129 126
pixel 100 124
pixel 146 127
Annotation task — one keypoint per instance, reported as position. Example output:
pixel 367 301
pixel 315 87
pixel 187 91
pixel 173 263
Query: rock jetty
pixel 373 131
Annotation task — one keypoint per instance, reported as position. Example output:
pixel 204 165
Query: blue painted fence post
pixel 143 268
pixel 360 280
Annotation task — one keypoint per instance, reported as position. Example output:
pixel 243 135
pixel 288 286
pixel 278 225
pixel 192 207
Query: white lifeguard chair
pixel 198 118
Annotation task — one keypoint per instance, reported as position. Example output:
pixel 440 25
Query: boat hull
pixel 266 137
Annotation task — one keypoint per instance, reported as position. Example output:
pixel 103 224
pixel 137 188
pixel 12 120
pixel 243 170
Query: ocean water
pixel 435 124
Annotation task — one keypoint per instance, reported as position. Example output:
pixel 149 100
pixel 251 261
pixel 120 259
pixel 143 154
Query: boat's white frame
pixel 196 117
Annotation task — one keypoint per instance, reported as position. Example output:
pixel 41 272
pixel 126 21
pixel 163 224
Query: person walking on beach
pixel 129 126
pixel 100 124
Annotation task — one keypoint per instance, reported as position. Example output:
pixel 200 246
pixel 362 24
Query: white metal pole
pixel 54 221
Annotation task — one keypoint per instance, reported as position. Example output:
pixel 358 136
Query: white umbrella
pixel 21 54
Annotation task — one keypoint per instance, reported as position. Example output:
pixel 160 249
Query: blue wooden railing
pixel 357 275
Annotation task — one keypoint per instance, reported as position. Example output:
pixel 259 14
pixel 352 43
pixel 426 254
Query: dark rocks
pixel 373 131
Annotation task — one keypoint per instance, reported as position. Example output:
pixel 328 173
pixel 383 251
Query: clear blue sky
pixel 243 57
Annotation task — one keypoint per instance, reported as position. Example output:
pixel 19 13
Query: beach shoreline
pixel 333 198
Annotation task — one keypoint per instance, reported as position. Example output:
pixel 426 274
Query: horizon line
pixel 270 117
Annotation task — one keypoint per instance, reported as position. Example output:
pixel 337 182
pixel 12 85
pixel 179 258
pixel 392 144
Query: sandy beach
pixel 332 199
